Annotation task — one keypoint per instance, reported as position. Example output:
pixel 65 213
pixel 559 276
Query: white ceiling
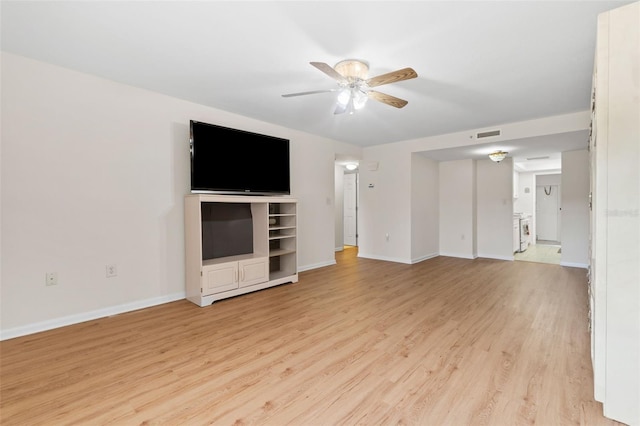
pixel 480 63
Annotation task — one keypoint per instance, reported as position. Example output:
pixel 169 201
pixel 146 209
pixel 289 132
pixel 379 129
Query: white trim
pixel 423 258
pixel 575 265
pixel 496 256
pixel 203 301
pixel 385 258
pixel 88 316
pixel 460 256
pixel 341 248
pixel 316 265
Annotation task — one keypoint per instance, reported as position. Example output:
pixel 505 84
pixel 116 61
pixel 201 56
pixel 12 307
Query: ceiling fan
pixel 355 86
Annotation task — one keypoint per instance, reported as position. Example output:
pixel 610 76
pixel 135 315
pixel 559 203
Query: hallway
pixel 540 253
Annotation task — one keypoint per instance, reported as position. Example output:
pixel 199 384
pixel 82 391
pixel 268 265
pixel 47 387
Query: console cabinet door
pixel 253 271
pixel 219 278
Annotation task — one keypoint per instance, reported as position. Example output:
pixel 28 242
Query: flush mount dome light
pixel 351 166
pixel 498 156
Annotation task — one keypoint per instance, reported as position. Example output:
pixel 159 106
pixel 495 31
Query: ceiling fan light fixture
pixel 355 86
pixel 351 99
pixel 344 96
pixel 350 107
pixel 359 99
pixel 498 156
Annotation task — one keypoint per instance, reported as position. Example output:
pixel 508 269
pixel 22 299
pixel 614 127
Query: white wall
pixel 385 204
pixel 312 182
pixel 424 208
pixel 525 201
pixel 575 208
pixel 94 173
pixel 495 209
pixel 549 179
pixel 457 208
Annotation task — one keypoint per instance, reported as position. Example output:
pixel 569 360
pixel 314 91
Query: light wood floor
pixel 443 342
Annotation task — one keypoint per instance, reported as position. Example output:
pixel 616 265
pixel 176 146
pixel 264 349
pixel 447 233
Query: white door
pixel 547 212
pixel 350 209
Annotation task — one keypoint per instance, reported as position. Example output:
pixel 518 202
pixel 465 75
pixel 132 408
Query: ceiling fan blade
pixel 392 77
pixel 328 70
pixel 387 99
pixel 312 92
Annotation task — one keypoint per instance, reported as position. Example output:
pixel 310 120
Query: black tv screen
pixel 231 161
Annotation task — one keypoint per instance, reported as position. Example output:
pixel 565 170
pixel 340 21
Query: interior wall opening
pixel 537 217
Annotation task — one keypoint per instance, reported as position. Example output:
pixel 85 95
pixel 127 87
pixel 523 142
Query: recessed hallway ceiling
pixel 527 153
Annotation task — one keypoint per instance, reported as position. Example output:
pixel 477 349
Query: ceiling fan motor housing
pixel 353 69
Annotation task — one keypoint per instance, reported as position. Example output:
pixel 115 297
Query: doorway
pixel 350 209
pixel 539 198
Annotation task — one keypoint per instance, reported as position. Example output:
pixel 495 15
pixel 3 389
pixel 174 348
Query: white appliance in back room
pixel 524 228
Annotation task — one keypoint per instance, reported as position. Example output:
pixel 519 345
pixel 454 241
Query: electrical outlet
pixel 51 278
pixel 112 271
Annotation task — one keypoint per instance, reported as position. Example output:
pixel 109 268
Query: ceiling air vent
pixel 488 134
pixel 546 157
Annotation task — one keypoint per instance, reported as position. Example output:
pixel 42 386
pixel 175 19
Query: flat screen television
pixel 232 161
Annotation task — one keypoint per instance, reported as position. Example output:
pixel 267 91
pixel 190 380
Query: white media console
pixel 238 244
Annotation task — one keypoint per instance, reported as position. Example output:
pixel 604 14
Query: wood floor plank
pixel 444 341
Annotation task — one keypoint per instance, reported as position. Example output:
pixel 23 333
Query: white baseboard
pixel 316 265
pixel 496 256
pixel 88 316
pixel 341 248
pixel 385 258
pixel 575 265
pixel 459 256
pixel 422 258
